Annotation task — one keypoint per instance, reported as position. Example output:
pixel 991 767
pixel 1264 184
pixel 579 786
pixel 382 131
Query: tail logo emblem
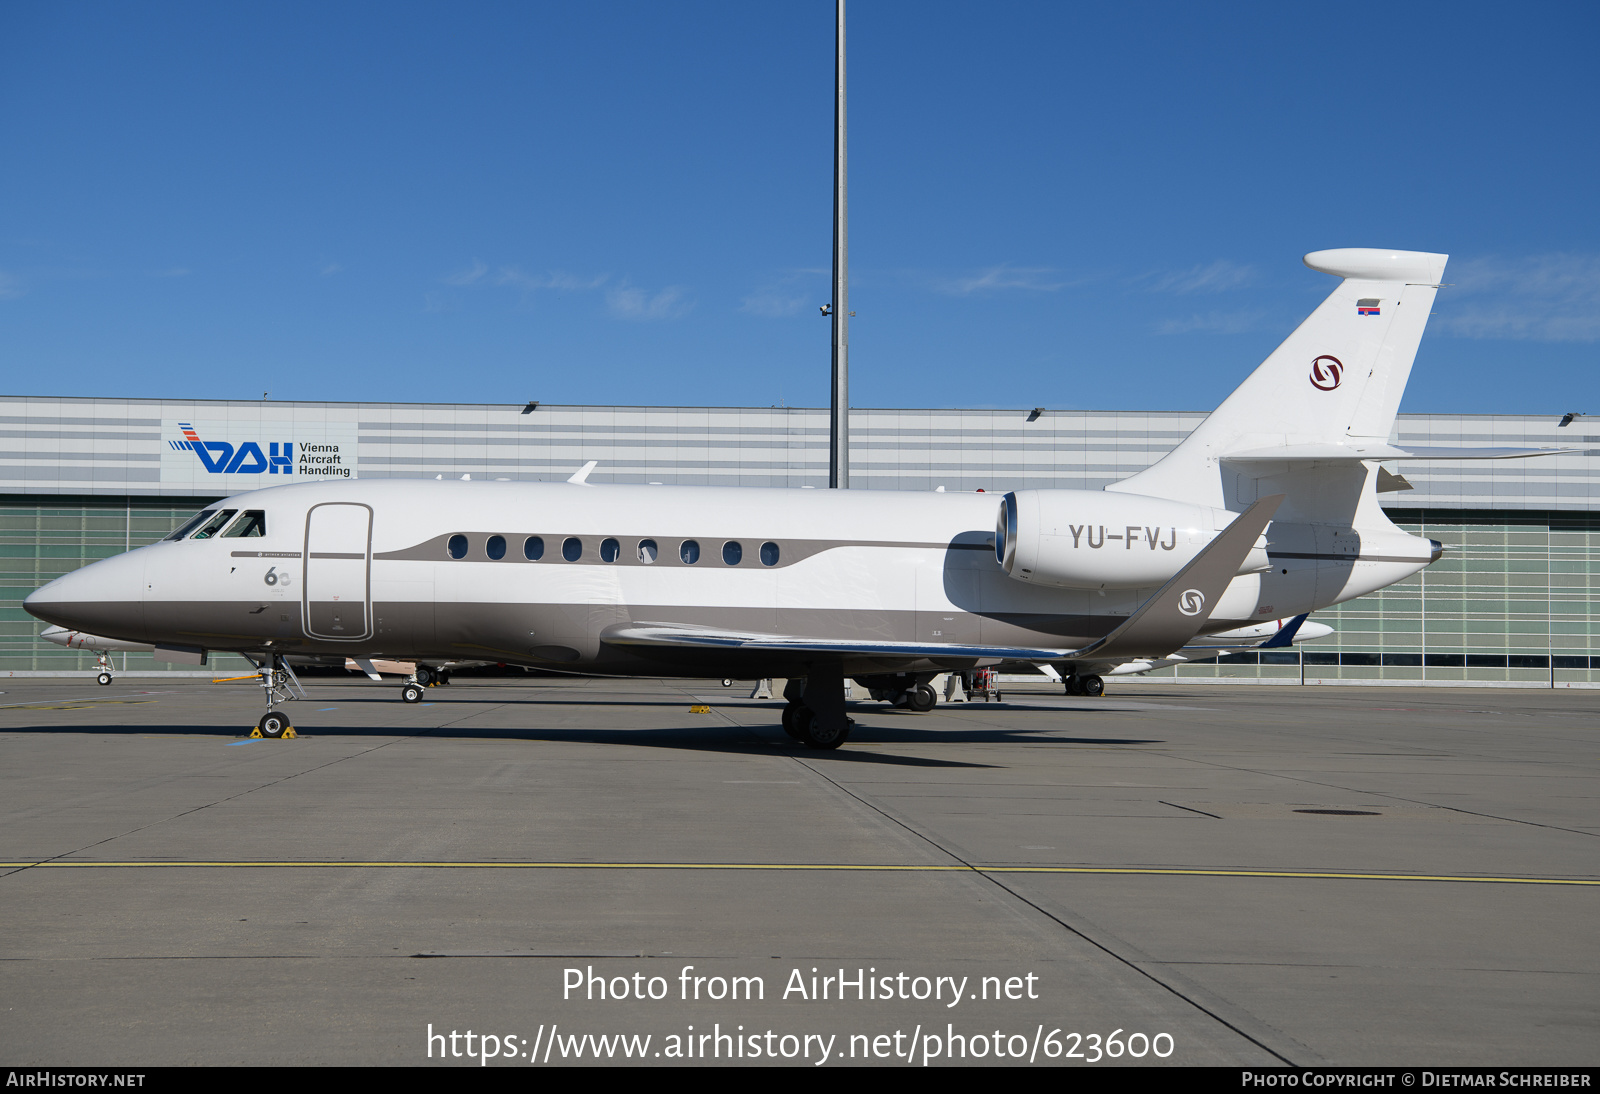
pixel 1326 372
pixel 1192 602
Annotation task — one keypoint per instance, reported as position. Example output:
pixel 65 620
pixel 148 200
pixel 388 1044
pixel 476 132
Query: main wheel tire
pixel 1094 687
pixel 807 722
pixel 921 699
pixel 425 676
pixel 727 683
pixel 791 720
pixel 104 678
pixel 411 693
pixel 1074 685
pixel 273 724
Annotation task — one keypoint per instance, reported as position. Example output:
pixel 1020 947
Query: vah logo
pixel 221 458
pixel 1192 602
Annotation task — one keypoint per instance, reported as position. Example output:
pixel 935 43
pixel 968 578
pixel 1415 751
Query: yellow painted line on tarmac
pixel 400 864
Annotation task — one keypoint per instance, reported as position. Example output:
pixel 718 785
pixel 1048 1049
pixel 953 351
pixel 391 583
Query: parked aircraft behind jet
pixel 817 586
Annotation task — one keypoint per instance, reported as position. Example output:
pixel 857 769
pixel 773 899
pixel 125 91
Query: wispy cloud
pixel 559 280
pixel 789 294
pixel 1214 322
pixel 10 286
pixel 330 268
pixel 1005 277
pixel 774 303
pixel 628 302
pixel 469 276
pixel 1218 276
pixel 1545 298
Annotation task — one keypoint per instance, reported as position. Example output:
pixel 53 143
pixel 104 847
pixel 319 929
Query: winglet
pixel 1168 620
pixel 582 476
pixel 1286 633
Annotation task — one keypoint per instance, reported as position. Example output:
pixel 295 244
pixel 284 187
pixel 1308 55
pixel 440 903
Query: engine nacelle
pixel 1080 539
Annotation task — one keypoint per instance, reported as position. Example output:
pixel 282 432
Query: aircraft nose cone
pixel 105 597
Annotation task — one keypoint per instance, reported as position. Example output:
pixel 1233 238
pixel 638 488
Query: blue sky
pixel 1074 206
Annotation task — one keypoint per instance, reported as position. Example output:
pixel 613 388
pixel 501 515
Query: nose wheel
pixel 279 684
pixel 274 724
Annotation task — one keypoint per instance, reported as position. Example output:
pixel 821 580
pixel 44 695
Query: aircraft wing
pixel 684 636
pixel 1387 452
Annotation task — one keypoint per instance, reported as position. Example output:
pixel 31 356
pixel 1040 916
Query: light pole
pixel 839 414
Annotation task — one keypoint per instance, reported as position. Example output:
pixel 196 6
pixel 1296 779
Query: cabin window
pixel 610 550
pixel 458 546
pixel 189 525
pixel 647 551
pixel 572 549
pixel 533 548
pixel 496 547
pixel 249 526
pixel 211 527
pixel 689 552
pixel 732 553
pixel 769 554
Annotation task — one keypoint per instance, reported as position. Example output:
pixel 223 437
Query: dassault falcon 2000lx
pixel 1267 510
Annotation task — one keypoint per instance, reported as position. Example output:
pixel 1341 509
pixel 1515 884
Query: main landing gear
pixel 424 677
pixel 280 684
pixel 815 713
pixel 1091 686
pixel 906 690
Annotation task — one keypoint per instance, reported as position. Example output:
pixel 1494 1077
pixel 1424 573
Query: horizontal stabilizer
pixel 1387 452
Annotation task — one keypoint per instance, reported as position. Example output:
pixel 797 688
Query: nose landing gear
pixel 280 684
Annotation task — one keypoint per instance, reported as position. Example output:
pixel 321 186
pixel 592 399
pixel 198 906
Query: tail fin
pixel 1336 380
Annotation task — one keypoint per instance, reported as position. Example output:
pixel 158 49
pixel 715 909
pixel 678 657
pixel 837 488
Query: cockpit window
pixel 191 524
pixel 249 526
pixel 211 527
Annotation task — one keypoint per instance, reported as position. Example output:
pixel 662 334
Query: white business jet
pixel 1267 510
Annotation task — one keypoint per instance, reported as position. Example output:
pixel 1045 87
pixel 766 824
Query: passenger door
pixel 338 575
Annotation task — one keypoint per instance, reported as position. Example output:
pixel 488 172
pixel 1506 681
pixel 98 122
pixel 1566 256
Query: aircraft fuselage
pixel 371 568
